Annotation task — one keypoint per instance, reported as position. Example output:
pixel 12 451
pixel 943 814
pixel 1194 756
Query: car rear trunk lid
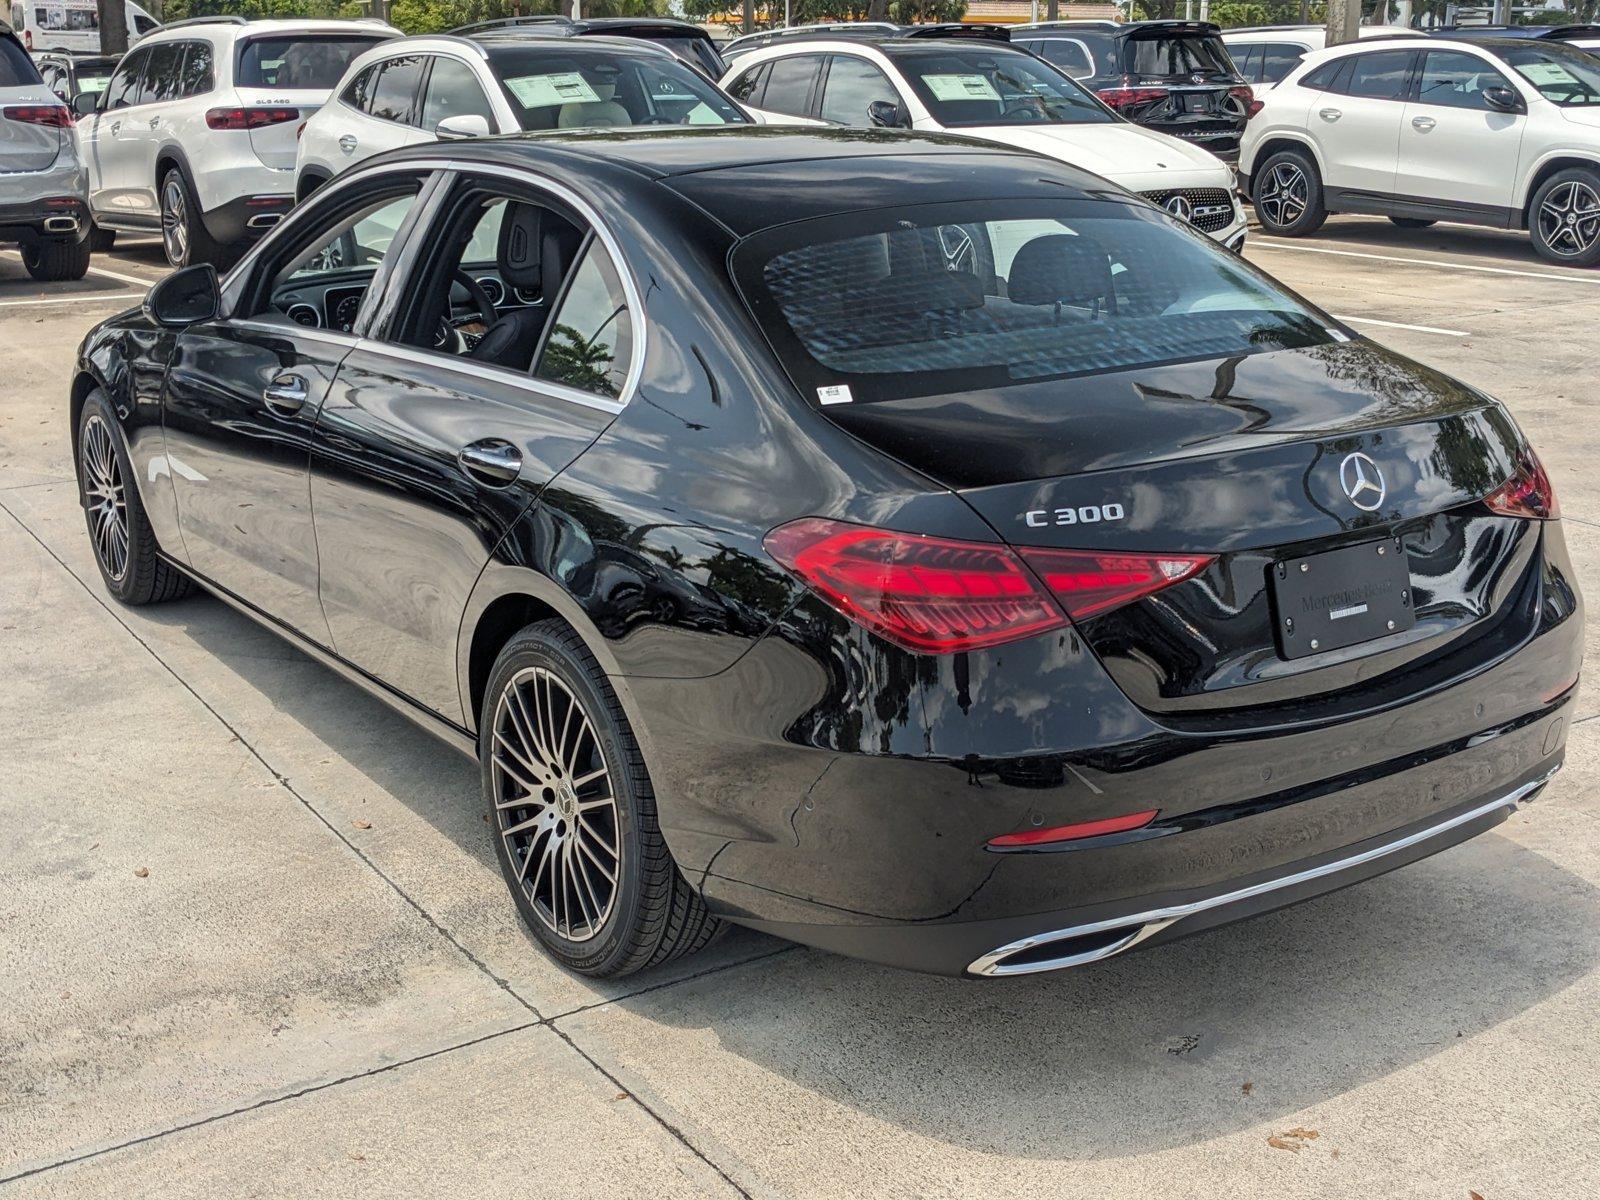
pixel 26 145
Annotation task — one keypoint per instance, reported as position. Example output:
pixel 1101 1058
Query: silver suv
pixel 42 200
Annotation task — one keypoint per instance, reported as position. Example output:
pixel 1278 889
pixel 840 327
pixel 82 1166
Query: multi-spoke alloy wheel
pixel 104 498
pixel 175 220
pixel 1288 194
pixel 554 804
pixel 1569 218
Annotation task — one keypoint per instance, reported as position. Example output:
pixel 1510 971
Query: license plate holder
pixel 1197 103
pixel 1341 597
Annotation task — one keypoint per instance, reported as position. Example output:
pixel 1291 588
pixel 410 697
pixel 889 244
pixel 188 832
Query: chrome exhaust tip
pixel 264 220
pixel 1065 948
pixel 61 225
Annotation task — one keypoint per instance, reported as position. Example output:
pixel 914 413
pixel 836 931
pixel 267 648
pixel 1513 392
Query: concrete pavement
pixel 317 986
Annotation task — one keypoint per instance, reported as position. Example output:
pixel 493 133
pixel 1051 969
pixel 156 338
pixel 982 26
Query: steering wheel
pixel 1029 109
pixel 448 335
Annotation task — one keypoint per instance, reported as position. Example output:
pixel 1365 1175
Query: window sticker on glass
pixel 1547 74
pixel 960 87
pixel 540 91
pixel 838 393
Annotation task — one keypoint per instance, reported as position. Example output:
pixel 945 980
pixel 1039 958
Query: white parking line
pixel 15 256
pixel 80 298
pixel 1403 325
pixel 1575 277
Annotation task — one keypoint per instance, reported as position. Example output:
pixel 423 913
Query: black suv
pixel 1174 76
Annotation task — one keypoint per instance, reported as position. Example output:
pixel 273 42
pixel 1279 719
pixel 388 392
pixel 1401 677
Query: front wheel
pixel 574 813
pixel 1288 195
pixel 1564 218
pixel 124 544
pixel 56 262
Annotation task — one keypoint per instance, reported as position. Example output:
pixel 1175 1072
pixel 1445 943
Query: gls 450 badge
pixel 1086 514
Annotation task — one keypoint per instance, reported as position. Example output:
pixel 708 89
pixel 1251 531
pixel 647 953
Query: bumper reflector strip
pixel 1070 833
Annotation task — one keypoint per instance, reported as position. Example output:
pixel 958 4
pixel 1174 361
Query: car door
pixel 452 90
pixel 1454 146
pixel 424 457
pixel 243 393
pixel 851 87
pixel 110 156
pixel 146 126
pixel 1357 124
pixel 788 92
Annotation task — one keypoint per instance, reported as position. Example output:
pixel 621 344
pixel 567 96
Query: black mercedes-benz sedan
pixel 914 548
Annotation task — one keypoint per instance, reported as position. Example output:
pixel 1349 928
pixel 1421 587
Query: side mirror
pixel 468 125
pixel 185 297
pixel 84 104
pixel 888 115
pixel 1503 99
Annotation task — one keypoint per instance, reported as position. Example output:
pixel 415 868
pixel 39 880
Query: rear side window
pixel 298 62
pixel 747 88
pixel 1381 76
pixel 16 68
pixel 590 344
pixel 1248 60
pixel 789 85
pixel 1177 54
pixel 358 92
pixel 198 77
pixel 1326 77
pixel 1277 60
pixel 394 96
pixel 1070 55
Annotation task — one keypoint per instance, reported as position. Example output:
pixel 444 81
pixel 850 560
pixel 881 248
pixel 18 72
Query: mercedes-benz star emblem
pixel 1179 207
pixel 1362 482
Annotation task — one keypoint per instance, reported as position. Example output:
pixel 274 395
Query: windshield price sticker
pixel 541 91
pixel 961 87
pixel 838 393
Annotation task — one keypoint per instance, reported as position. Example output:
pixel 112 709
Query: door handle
pixel 287 393
pixel 116 128
pixel 155 122
pixel 1423 123
pixel 348 143
pixel 1330 114
pixel 491 461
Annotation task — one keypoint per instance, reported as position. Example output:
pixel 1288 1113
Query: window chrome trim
pixel 488 371
pixel 332 337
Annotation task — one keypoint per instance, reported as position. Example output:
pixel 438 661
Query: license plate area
pixel 1341 597
pixel 1197 103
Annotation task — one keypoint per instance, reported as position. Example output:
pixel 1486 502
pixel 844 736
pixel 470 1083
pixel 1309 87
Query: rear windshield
pixel 16 68
pixel 299 62
pixel 973 85
pixel 564 86
pixel 1566 77
pixel 1177 54
pixel 93 77
pixel 696 50
pixel 935 299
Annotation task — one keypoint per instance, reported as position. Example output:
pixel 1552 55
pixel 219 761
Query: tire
pixel 546 680
pixel 56 262
pixel 1412 222
pixel 183 233
pixel 124 545
pixel 101 240
pixel 1287 194
pixel 1564 218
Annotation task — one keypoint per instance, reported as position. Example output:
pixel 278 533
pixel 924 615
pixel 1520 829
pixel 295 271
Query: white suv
pixel 1499 132
pixel 195 134
pixel 1264 54
pixel 989 90
pixel 418 89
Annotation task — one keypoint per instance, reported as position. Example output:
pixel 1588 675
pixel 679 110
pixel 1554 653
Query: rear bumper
pixel 246 218
pixel 56 218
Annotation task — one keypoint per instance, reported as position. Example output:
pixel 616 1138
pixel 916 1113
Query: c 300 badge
pixel 1084 514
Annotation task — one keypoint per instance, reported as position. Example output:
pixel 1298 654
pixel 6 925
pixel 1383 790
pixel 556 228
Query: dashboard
pixel 336 303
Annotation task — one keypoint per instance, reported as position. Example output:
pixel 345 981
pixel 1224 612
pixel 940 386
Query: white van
pixel 71 24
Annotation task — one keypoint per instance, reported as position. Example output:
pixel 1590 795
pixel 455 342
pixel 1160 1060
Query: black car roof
pixel 753 177
pixel 598 47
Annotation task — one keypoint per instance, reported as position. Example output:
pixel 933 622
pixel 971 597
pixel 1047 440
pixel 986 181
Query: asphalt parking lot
pixel 253 941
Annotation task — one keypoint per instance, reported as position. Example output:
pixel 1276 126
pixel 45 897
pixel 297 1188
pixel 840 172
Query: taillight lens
pixel 1088 582
pixel 39 114
pixel 1244 94
pixel 1253 108
pixel 932 595
pixel 1527 493
pixel 249 118
pixel 1131 97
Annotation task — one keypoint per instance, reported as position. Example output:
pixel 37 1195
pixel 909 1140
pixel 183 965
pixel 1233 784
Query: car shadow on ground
pixel 1148 1051
pixel 1489 247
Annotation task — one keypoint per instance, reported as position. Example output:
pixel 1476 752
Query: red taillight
pixel 1527 493
pixel 1130 97
pixel 39 114
pixel 1253 108
pixel 249 118
pixel 1087 582
pixel 1071 833
pixel 1244 94
pixel 932 595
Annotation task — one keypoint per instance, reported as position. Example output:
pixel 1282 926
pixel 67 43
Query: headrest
pixel 1059 268
pixel 521 245
pixel 561 241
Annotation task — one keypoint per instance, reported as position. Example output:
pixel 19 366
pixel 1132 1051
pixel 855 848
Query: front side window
pixel 570 86
pixel 1456 80
pixel 394 96
pixel 1380 76
pixel 298 62
pixel 590 343
pixel 165 74
pixel 853 86
pixel 935 299
pixel 1563 76
pixel 454 91
pixel 124 88
pixel 974 85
